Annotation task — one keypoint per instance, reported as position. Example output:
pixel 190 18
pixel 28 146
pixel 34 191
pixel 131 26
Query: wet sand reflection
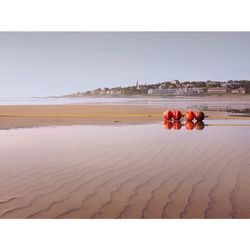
pixel 189 125
pixel 130 171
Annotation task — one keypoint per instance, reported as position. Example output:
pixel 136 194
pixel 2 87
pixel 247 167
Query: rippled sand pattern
pixel 136 171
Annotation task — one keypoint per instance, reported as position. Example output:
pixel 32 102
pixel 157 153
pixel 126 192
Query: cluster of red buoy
pixel 177 115
pixel 190 116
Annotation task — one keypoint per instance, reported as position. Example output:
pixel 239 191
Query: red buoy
pixel 177 115
pixel 199 116
pixel 168 115
pixel 177 125
pixel 189 115
pixel 189 125
pixel 167 124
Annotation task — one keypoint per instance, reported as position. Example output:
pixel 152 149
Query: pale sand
pixel 142 171
pixel 26 116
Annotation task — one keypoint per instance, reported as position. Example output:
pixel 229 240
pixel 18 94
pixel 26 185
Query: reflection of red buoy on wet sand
pixel 199 125
pixel 177 125
pixel 189 125
pixel 177 115
pixel 167 124
pixel 168 115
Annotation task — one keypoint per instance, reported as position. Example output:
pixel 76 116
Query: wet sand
pixel 51 115
pixel 27 116
pixel 130 171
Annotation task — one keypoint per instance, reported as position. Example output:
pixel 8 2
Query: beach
pixel 122 161
pixel 130 171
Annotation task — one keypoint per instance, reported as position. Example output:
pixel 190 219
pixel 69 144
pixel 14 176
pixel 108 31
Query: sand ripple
pixel 124 172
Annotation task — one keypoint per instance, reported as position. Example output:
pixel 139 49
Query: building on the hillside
pixel 199 90
pixel 217 91
pixel 239 91
pixel 177 91
pixel 115 92
pixel 163 86
pixel 95 92
pixel 189 85
pixel 210 83
pixel 103 92
pixel 225 84
pixel 175 82
pixel 194 90
pixel 168 91
pixel 236 83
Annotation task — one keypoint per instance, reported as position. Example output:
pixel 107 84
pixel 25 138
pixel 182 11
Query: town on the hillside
pixel 174 88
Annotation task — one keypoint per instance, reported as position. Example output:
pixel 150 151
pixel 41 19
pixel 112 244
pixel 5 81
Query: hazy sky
pixel 42 64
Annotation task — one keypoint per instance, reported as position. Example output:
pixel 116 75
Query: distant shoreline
pixel 247 96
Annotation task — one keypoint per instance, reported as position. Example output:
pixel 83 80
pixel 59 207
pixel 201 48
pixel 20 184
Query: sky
pixel 57 63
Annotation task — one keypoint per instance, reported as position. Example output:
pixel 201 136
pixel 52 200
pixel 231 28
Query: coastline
pixel 147 96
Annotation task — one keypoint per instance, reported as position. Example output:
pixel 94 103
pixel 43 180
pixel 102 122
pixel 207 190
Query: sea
pixel 201 103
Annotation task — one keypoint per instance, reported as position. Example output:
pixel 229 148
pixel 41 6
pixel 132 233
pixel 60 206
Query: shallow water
pixel 202 103
pixel 127 171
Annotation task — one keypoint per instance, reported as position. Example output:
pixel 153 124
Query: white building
pixel 163 86
pixel 239 91
pixel 210 83
pixel 194 91
pixel 169 91
pixel 115 92
pixel 175 82
pixel 217 91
